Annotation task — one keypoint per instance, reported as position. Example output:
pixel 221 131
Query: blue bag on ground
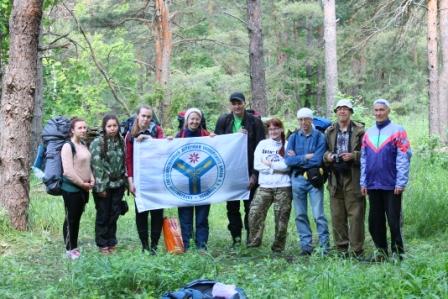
pixel 200 289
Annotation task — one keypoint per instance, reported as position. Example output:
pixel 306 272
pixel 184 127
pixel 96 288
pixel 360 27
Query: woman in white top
pixel 275 187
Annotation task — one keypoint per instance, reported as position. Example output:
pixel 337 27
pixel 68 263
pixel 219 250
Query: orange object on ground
pixel 172 235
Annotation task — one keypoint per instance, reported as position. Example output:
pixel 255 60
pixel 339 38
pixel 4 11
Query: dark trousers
pixel 385 204
pixel 141 219
pixel 107 213
pixel 233 214
pixel 74 203
pixel 201 228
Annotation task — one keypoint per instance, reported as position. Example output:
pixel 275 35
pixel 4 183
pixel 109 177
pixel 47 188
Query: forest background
pixel 101 56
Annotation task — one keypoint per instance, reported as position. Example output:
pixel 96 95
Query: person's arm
pixel 403 160
pixel 280 166
pixel 220 125
pixel 357 152
pixel 296 160
pixel 99 167
pixel 328 155
pixel 318 154
pixel 68 166
pixel 258 161
pixel 159 132
pixel 259 131
pixel 362 180
pixel 129 161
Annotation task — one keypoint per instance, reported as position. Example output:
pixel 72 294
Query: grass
pixel 32 263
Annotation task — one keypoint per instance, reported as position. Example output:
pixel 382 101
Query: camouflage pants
pixel 264 197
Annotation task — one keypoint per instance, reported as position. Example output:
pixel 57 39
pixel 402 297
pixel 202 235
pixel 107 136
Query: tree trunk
pixel 308 65
pixel 36 125
pixel 256 58
pixel 16 113
pixel 163 47
pixel 434 125
pixel 443 77
pixel 321 109
pixel 331 67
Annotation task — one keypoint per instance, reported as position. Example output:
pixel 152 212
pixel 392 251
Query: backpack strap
pixel 72 146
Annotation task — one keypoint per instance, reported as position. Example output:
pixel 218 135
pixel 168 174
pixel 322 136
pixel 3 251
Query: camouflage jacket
pixel 109 171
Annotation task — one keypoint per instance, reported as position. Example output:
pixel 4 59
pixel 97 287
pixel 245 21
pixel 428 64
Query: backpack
pixel 54 135
pixel 200 289
pixel 321 123
pixel 126 125
pixel 181 120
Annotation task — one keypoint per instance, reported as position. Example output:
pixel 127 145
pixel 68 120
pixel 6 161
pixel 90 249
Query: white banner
pixel 190 171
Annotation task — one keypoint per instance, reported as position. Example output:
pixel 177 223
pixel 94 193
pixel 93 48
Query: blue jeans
pixel 186 225
pixel 300 189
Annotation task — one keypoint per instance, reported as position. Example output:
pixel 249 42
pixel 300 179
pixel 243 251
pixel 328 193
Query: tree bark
pixel 256 57
pixel 16 112
pixel 434 125
pixel 36 125
pixel 331 68
pixel 443 76
pixel 163 48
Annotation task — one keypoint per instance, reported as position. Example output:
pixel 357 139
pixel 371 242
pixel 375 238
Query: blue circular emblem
pixel 194 172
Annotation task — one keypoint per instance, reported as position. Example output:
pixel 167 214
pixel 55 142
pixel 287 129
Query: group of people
pixel 281 172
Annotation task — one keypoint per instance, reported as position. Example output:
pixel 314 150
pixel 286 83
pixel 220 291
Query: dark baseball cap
pixel 237 96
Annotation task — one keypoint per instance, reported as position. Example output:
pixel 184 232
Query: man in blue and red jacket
pixel 385 161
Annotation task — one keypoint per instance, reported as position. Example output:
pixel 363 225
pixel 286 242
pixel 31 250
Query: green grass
pixel 32 263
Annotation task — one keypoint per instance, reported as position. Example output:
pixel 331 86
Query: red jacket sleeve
pixel 129 155
pixel 159 133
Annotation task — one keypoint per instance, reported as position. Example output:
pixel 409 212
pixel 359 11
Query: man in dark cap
pixel 239 120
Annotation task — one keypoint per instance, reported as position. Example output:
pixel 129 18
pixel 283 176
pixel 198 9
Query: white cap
pixel 344 103
pixel 305 113
pixel 191 110
pixel 382 102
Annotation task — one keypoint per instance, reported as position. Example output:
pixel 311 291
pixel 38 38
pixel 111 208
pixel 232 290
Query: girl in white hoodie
pixel 275 187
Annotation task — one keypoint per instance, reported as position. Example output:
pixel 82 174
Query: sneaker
pixel 73 254
pixel 112 249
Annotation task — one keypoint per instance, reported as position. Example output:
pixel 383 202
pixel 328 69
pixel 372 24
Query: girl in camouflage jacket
pixel 109 171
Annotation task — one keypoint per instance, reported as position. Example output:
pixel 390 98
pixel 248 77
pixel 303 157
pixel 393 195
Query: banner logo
pixel 194 172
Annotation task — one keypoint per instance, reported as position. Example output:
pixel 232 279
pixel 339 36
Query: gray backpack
pixel 55 134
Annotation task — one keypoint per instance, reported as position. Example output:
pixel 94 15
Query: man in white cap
pixel 385 162
pixel 342 157
pixel 305 151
